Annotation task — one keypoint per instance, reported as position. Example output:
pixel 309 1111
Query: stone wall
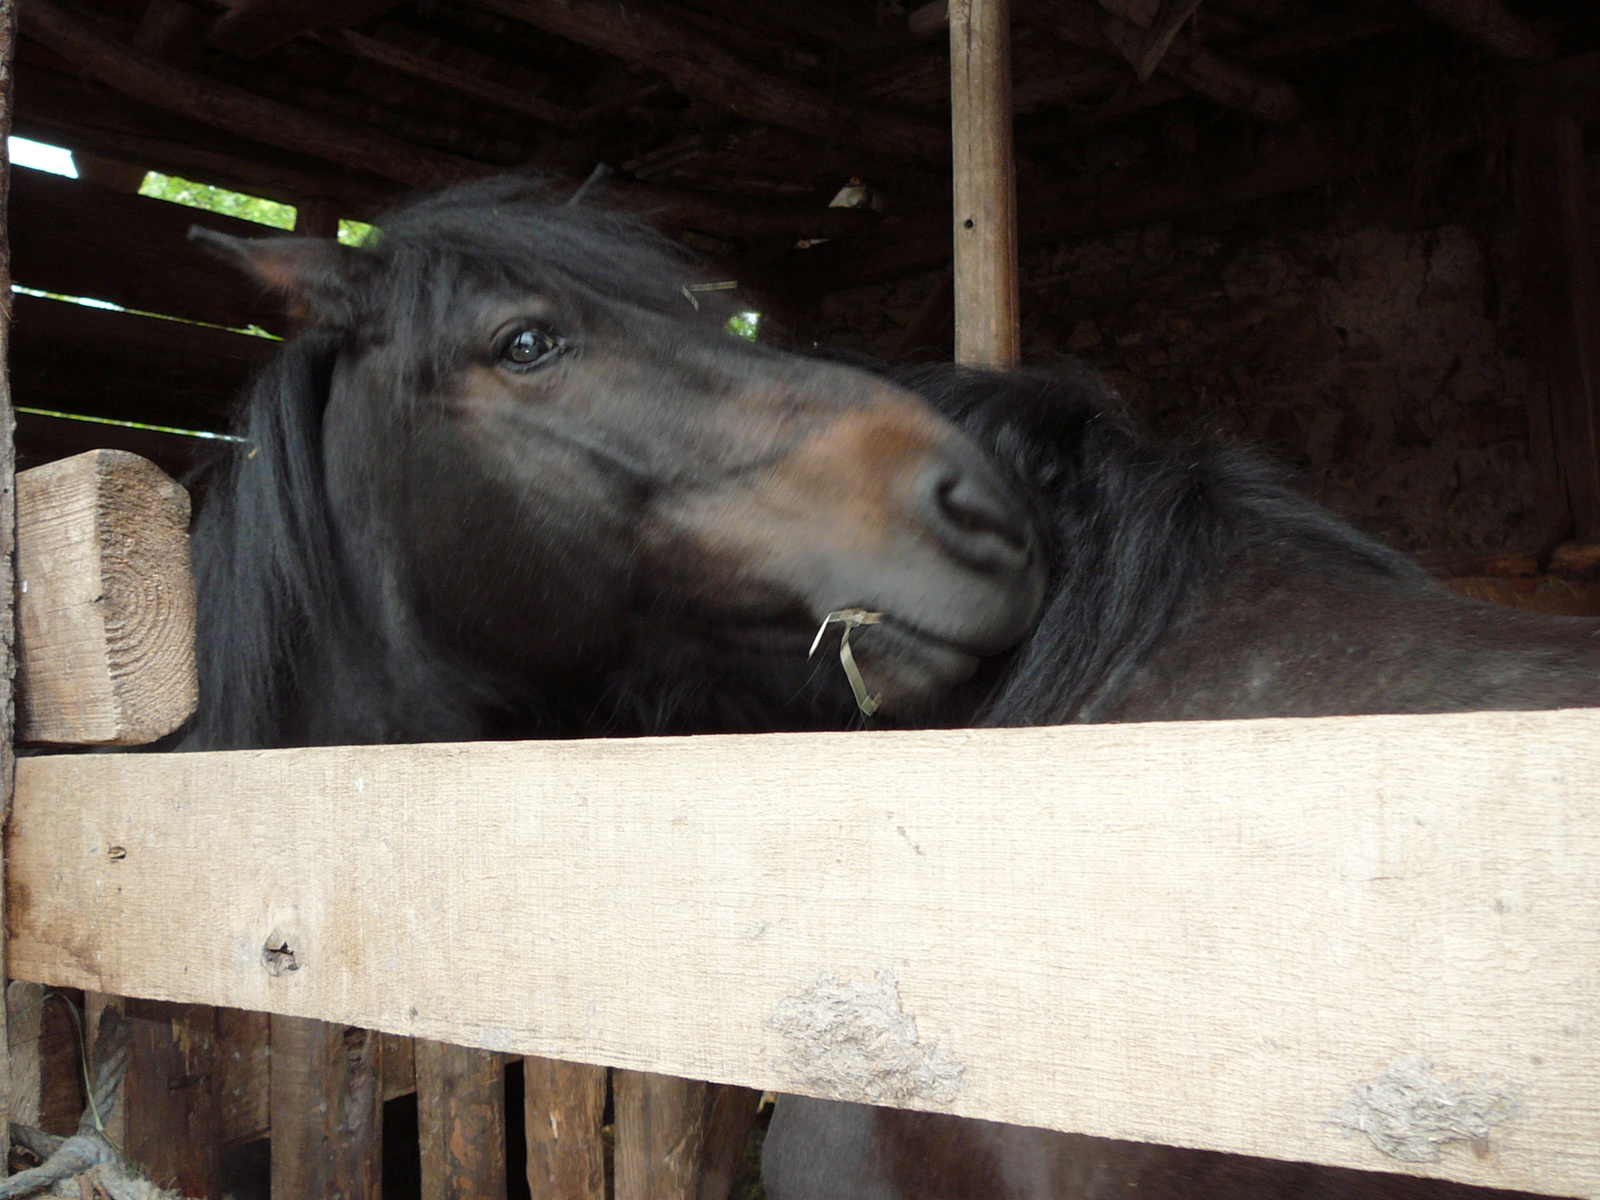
pixel 1383 362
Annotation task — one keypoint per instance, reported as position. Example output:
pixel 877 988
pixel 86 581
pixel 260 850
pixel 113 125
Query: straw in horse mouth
pixel 850 618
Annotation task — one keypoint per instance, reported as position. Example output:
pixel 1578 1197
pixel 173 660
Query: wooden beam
pixel 1561 311
pixel 1209 934
pixel 1084 24
pixel 80 239
pixel 224 106
pixel 327 1111
pixel 8 500
pixel 127 366
pixel 563 1113
pixel 80 114
pixel 46 439
pixel 172 1129
pixel 645 36
pixel 661 1129
pixel 105 606
pixel 244 1076
pixel 1489 24
pixel 987 305
pixel 731 1115
pixel 461 1121
pixel 252 27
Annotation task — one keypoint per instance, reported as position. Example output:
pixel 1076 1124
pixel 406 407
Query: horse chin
pixel 909 671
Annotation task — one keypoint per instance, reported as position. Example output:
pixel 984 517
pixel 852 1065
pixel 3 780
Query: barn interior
pixel 1359 234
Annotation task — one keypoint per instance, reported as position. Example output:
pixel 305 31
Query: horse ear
pixel 317 276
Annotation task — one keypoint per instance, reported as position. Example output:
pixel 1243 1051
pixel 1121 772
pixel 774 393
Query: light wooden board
pixel 1208 934
pixel 105 602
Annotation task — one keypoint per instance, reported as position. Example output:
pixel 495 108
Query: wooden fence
pixel 1240 936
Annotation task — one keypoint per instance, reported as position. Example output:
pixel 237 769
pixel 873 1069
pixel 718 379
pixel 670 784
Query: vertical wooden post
pixel 461 1122
pixel 327 1111
pixel 988 326
pixel 1561 312
pixel 730 1115
pixel 8 514
pixel 661 1125
pixel 563 1106
pixel 169 1099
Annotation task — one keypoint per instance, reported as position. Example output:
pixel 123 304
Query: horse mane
pixel 264 555
pixel 1135 526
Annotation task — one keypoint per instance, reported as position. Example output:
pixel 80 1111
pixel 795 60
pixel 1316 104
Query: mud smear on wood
pixel 1409 1113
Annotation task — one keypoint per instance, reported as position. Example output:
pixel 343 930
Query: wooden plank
pixel 172 1128
pixel 105 609
pixel 461 1121
pixel 8 509
pixel 252 27
pixel 988 310
pixel 1491 25
pixel 80 239
pixel 1561 310
pixel 660 1130
pixel 698 66
pixel 46 1062
pixel 730 1115
pixel 563 1105
pixel 327 1111
pixel 1206 934
pixel 127 367
pixel 244 1075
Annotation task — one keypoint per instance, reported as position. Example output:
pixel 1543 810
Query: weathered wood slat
pixel 252 27
pixel 987 305
pixel 1561 305
pixel 327 1111
pixel 661 1135
pixel 563 1106
pixel 461 1122
pixel 1207 934
pixel 105 604
pixel 81 239
pixel 8 500
pixel 172 1126
pixel 127 367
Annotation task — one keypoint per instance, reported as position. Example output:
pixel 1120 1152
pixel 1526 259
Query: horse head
pixel 540 457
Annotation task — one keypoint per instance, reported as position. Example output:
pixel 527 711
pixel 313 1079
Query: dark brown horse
pixel 1188 583
pixel 511 481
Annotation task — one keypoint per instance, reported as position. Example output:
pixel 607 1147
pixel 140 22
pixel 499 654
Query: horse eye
pixel 529 347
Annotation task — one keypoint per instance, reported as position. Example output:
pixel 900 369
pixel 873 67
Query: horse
pixel 1189 581
pixel 513 478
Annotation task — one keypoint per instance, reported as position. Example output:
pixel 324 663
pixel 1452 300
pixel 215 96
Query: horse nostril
pixel 976 517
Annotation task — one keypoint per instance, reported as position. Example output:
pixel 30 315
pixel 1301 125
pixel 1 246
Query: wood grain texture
pixel 244 1075
pixel 1209 934
pixel 730 1115
pixel 252 27
pixel 105 602
pixel 461 1121
pixel 1560 280
pixel 172 1128
pixel 327 1111
pixel 661 1135
pixel 563 1108
pixel 8 510
pixel 80 239
pixel 988 309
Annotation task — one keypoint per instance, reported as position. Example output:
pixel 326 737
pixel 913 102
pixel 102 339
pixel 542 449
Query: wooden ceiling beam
pixel 252 27
pixel 420 66
pixel 1084 24
pixel 697 67
pixel 223 106
pixel 1489 24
